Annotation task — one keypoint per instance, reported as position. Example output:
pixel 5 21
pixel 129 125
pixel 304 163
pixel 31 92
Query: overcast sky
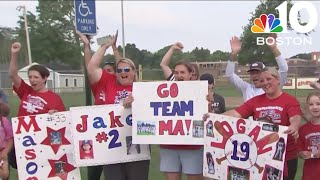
pixel 152 25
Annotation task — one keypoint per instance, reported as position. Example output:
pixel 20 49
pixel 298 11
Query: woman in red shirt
pixel 178 159
pixel 116 89
pixel 35 98
pixel 281 108
pixel 309 138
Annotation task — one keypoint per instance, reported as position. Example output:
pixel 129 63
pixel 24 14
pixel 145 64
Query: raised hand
pixel 235 44
pixel 15 47
pixel 83 38
pixel 272 41
pixel 114 40
pixel 177 46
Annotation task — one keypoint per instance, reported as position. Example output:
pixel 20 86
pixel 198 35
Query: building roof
pixel 28 66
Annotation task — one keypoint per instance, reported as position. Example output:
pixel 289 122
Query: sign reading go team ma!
pixel 169 112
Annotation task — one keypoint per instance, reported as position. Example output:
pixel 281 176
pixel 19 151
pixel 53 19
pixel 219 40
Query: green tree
pixel 306 56
pixel 52 33
pixel 219 56
pixel 250 51
pixel 7 36
pixel 201 55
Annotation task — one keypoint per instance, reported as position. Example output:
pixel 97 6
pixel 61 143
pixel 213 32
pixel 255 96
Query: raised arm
pixel 94 69
pixel 167 57
pixel 281 61
pixel 86 45
pixel 116 53
pixel 13 67
pixel 234 79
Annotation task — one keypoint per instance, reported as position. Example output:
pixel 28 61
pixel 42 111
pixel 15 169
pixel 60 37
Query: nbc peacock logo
pixel 266 24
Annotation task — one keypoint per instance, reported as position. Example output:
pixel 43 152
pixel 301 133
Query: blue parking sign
pixel 85 16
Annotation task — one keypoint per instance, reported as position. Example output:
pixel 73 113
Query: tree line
pixel 53 39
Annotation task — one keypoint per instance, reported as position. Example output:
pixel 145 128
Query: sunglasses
pixel 126 69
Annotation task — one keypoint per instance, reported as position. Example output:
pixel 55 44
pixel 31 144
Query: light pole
pixel 19 8
pixel 123 40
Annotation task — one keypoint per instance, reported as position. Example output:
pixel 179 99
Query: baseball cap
pixel 207 77
pixel 108 63
pixel 86 142
pixel 256 66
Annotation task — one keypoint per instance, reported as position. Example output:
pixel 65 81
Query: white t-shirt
pixel 249 90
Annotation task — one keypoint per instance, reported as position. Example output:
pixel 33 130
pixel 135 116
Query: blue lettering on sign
pixel 113 143
pixel 85 16
pixel 129 120
pixel 28 141
pixel 33 166
pixel 244 148
pixel 178 108
pixel 99 123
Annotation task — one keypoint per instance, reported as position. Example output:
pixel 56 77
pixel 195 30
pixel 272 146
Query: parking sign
pixel 85 16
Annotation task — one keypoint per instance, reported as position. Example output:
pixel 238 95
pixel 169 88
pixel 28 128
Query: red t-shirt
pixel 279 110
pixel 108 91
pixel 33 102
pixel 309 140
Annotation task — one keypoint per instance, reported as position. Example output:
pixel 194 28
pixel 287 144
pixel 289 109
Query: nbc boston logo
pixel 268 23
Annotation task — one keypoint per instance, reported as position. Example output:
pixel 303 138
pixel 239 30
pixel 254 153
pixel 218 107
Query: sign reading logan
pixel 268 23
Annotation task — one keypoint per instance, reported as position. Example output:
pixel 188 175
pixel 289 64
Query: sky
pixel 153 25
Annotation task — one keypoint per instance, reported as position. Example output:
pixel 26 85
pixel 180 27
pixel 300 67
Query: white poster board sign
pixel 102 135
pixel 43 146
pixel 169 112
pixel 243 149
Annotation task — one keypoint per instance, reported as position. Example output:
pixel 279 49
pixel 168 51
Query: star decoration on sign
pixel 60 168
pixel 55 139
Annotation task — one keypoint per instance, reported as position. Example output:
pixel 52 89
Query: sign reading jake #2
pixel 85 16
pixel 243 149
pixel 44 147
pixel 169 112
pixel 102 135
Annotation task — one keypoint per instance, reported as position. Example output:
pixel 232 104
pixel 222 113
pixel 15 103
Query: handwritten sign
pixel 102 135
pixel 243 149
pixel 169 112
pixel 44 146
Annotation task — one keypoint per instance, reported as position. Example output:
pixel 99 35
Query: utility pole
pixel 19 8
pixel 123 39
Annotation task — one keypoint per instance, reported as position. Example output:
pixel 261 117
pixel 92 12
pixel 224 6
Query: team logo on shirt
pixel 121 95
pixel 102 96
pixel 34 104
pixel 272 113
pixel 314 139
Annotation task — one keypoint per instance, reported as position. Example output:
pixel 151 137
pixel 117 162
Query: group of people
pixel 113 83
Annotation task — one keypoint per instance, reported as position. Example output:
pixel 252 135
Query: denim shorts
pixel 189 162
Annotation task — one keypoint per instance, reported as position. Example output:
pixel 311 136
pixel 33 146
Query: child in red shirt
pixel 309 138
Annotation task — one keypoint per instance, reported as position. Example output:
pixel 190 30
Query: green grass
pixel 154 173
pixel 145 134
pixel 77 99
